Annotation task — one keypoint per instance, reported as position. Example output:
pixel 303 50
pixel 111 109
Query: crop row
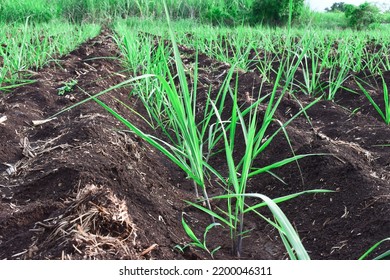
pixel 169 90
pixel 25 48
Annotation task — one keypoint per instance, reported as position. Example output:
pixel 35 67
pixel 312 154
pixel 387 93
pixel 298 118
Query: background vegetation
pixel 34 32
pixel 216 12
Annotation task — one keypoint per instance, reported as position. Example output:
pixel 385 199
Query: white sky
pixel 320 5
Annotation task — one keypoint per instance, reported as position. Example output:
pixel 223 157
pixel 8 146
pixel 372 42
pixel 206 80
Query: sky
pixel 320 5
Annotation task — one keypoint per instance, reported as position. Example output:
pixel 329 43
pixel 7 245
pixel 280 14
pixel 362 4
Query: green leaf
pixel 376 245
pixel 208 228
pixel 211 213
pixel 279 164
pixel 189 231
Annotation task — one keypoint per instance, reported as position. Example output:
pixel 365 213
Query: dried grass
pixel 95 225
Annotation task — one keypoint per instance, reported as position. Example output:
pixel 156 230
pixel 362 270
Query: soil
pixel 81 186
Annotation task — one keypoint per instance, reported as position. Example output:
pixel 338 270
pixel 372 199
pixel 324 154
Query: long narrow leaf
pixel 211 213
pixel 376 245
pixel 279 164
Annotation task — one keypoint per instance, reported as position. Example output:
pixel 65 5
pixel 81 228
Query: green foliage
pixel 349 9
pixel 67 87
pixel 73 10
pixel 376 245
pixel 19 11
pixel 364 16
pixel 94 10
pixel 386 18
pixel 225 12
pixel 217 12
pixel 385 113
pixel 324 21
pixel 337 7
pixel 196 242
pixel 218 15
pixel 277 12
pixel 30 46
pixel 97 10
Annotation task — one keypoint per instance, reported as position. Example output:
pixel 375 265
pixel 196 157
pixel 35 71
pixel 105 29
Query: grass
pixel 186 144
pixel 326 56
pixel 324 21
pixel 239 174
pixel 27 47
pixel 106 10
pixel 18 11
pixel 325 70
pixel 331 56
pixel 196 242
pixel 170 102
pixel 385 112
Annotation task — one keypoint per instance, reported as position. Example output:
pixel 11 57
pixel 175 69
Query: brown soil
pixel 81 187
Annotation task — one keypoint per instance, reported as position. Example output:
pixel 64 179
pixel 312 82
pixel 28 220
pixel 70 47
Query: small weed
pixel 195 240
pixel 67 87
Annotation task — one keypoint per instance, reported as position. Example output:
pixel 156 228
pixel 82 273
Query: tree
pixel 337 7
pixel 276 12
pixel 349 9
pixel 362 16
pixel 227 12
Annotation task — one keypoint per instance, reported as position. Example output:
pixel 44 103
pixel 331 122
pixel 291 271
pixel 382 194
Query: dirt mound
pixel 96 224
pixel 80 186
pixel 42 167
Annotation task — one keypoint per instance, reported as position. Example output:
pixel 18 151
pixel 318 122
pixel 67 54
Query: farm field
pixel 141 138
